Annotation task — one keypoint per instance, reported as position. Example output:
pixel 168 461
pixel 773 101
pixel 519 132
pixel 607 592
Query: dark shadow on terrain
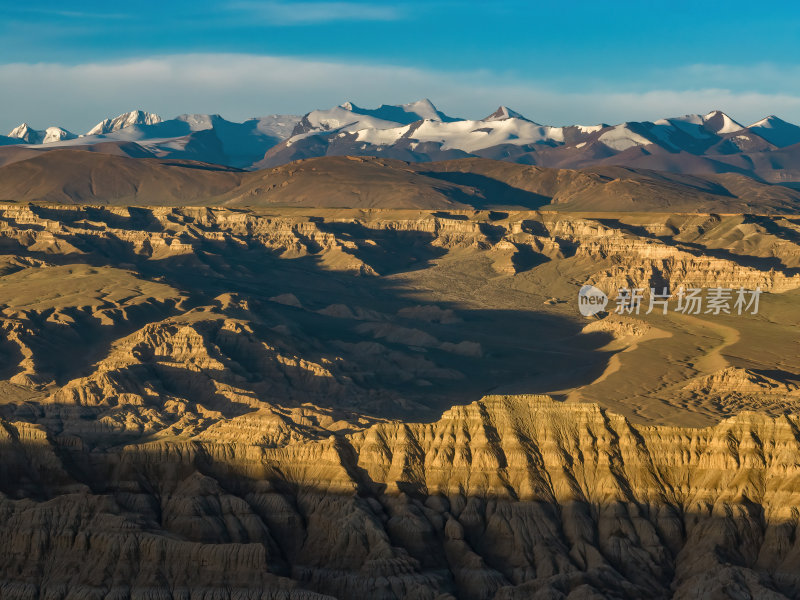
pixel 318 534
pixel 773 228
pixel 140 219
pixel 440 214
pixel 397 367
pixel 494 191
pixel 779 375
pixel 64 351
pixel 494 233
pixel 10 357
pixel 526 258
pixel 391 250
pixel 535 228
pixel 201 166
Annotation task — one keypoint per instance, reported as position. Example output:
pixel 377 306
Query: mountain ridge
pixel 714 142
pixel 113 177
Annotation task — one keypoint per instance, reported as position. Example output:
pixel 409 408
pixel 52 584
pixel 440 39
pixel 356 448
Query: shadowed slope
pixel 510 497
pixel 284 404
pixel 78 176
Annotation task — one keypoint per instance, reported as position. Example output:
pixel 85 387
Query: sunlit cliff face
pixel 393 404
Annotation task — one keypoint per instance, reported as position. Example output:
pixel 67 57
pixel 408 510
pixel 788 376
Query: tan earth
pixel 69 176
pixel 228 403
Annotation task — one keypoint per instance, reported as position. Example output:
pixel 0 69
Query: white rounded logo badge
pixel 591 300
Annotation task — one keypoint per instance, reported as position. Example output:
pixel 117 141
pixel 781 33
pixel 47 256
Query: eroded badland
pixel 309 403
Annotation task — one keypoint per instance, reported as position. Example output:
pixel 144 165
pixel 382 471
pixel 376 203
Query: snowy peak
pixel 200 122
pixel 503 113
pixel 419 131
pixel 129 119
pixel 274 126
pixel 340 117
pixel 403 130
pixel 25 132
pixel 30 135
pixel 777 131
pixel 410 125
pixel 398 114
pixel 769 122
pixel 622 137
pixel 57 134
pixel 720 123
pixel 425 110
pixel 348 117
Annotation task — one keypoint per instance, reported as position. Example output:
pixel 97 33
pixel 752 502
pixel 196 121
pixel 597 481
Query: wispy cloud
pixel 764 76
pixel 305 13
pixel 243 85
pixel 68 14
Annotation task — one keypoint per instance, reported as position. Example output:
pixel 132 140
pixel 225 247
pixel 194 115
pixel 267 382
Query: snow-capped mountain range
pixel 419 132
pixel 205 138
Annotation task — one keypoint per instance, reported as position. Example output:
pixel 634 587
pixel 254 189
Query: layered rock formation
pixel 509 497
pixel 219 403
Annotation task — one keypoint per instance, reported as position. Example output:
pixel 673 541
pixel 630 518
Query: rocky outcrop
pixel 218 403
pixel 733 390
pixel 732 379
pixel 509 497
pixel 677 251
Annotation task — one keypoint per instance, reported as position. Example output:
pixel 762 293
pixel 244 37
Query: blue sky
pixel 556 62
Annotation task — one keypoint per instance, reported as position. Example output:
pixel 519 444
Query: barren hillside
pixel 83 177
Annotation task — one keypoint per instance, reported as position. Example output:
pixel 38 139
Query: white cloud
pixel 766 76
pixel 239 86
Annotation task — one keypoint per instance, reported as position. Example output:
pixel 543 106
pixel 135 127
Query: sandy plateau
pixel 307 403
